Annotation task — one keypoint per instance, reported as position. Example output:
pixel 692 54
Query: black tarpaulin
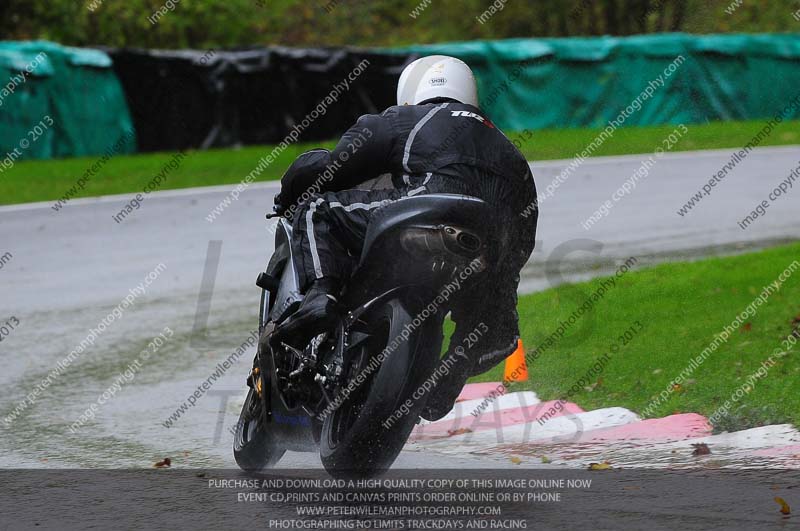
pixel 196 99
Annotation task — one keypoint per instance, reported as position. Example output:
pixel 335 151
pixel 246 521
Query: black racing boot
pixel 440 403
pixel 317 313
pixel 443 396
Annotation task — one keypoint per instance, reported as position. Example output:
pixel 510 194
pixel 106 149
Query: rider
pixel 435 140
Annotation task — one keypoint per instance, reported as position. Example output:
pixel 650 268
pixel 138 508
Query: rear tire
pixel 354 441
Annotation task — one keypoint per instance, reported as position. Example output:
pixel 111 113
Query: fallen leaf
pixel 747 327
pixel 516 460
pixel 701 449
pixel 600 466
pixel 546 459
pixel 459 431
pixel 785 509
pixel 166 463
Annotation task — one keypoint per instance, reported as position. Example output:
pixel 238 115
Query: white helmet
pixel 437 76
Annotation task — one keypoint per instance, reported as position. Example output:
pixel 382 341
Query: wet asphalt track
pixel 71 268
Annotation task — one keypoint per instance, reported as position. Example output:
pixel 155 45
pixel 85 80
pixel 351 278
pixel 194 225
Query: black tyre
pixel 254 446
pixel 361 438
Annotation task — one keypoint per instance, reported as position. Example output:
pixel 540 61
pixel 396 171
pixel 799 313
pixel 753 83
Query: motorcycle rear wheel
pixel 364 435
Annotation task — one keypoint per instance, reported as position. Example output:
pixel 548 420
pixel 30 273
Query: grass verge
pixel 30 181
pixel 681 308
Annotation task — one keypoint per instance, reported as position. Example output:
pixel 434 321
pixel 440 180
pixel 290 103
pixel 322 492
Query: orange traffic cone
pixel 516 370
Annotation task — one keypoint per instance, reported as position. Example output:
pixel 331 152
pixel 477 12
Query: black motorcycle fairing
pixel 430 211
pixel 282 253
pixel 287 296
pixel 295 426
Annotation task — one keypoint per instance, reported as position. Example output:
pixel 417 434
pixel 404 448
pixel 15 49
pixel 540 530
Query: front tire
pixel 254 445
pixel 361 438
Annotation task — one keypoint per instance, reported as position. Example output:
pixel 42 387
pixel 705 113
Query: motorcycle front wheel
pixel 254 446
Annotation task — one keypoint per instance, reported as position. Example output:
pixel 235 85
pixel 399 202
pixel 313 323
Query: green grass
pixel 682 307
pixel 49 180
pixel 565 143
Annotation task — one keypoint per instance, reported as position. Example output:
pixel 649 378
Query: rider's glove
pixel 303 177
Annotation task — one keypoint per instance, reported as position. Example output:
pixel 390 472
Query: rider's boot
pixel 317 313
pixel 443 396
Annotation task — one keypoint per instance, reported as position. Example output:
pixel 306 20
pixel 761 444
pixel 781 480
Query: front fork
pixel 257 379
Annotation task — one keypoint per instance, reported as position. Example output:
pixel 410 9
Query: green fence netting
pixel 524 84
pixel 57 101
pixel 580 82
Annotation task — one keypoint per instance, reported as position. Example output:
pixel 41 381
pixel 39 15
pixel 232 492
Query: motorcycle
pixel 352 393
